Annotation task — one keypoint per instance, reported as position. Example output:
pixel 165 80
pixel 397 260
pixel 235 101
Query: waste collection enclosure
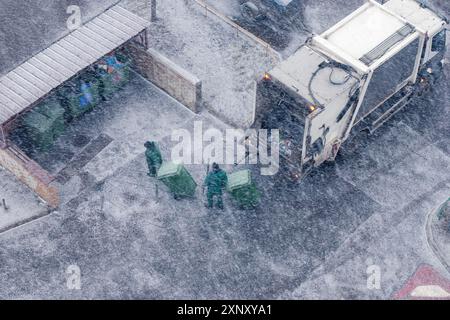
pixel 57 84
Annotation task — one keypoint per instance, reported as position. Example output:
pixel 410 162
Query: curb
pixel 431 241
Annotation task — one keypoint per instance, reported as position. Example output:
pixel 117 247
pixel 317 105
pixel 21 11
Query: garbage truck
pixel 355 76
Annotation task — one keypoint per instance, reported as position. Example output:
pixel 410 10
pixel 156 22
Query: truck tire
pixel 249 10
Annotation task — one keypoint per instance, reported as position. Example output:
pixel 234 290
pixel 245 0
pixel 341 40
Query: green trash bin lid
pixel 239 179
pixel 37 122
pixel 52 109
pixel 169 169
pixel 43 117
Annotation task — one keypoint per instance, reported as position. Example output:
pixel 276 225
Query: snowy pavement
pixel 316 18
pixel 21 204
pixel 394 238
pixel 438 233
pixel 309 240
pixel 312 240
pixel 393 241
pixel 28 26
pixel 228 64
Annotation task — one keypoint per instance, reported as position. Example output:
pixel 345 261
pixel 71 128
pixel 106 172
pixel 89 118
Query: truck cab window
pixel 438 43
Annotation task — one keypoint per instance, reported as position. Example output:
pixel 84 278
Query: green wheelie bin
pixel 243 189
pixel 80 95
pixel 44 124
pixel 177 179
pixel 113 72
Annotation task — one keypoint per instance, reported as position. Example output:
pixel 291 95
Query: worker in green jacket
pixel 154 158
pixel 215 181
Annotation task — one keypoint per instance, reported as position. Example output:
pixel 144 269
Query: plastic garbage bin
pixel 113 73
pixel 177 179
pixel 243 189
pixel 80 95
pixel 44 124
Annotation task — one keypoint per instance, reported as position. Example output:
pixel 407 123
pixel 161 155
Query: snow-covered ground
pixel 29 26
pixel 393 241
pixel 21 204
pixel 317 16
pixel 311 240
pixel 227 63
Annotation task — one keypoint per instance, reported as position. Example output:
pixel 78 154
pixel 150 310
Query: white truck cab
pixel 359 72
pixel 423 18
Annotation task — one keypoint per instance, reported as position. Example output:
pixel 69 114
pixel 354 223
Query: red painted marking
pixel 425 275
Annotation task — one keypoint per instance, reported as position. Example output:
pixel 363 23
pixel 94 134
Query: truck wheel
pixel 249 10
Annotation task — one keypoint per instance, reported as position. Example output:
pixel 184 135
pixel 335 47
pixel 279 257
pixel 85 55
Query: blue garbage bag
pixel 86 99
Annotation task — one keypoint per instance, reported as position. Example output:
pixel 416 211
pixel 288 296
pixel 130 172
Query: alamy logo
pixel 373 275
pixel 73 277
pixel 230 146
pixel 74 21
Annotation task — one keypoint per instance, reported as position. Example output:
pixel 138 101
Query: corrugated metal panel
pixel 383 47
pixel 104 33
pixel 21 91
pixel 67 55
pixel 11 93
pixel 62 60
pixel 27 76
pixel 25 89
pixel 106 26
pixel 67 47
pixel 9 105
pixel 50 80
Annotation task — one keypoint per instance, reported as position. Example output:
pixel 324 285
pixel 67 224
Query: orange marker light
pixel 312 108
pixel 267 77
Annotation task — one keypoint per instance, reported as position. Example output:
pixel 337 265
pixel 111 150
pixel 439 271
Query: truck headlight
pixel 267 77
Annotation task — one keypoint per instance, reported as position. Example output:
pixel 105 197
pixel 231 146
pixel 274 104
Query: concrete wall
pixel 30 173
pixel 168 76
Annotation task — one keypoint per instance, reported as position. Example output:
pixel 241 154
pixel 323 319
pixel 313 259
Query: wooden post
pixel 2 137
